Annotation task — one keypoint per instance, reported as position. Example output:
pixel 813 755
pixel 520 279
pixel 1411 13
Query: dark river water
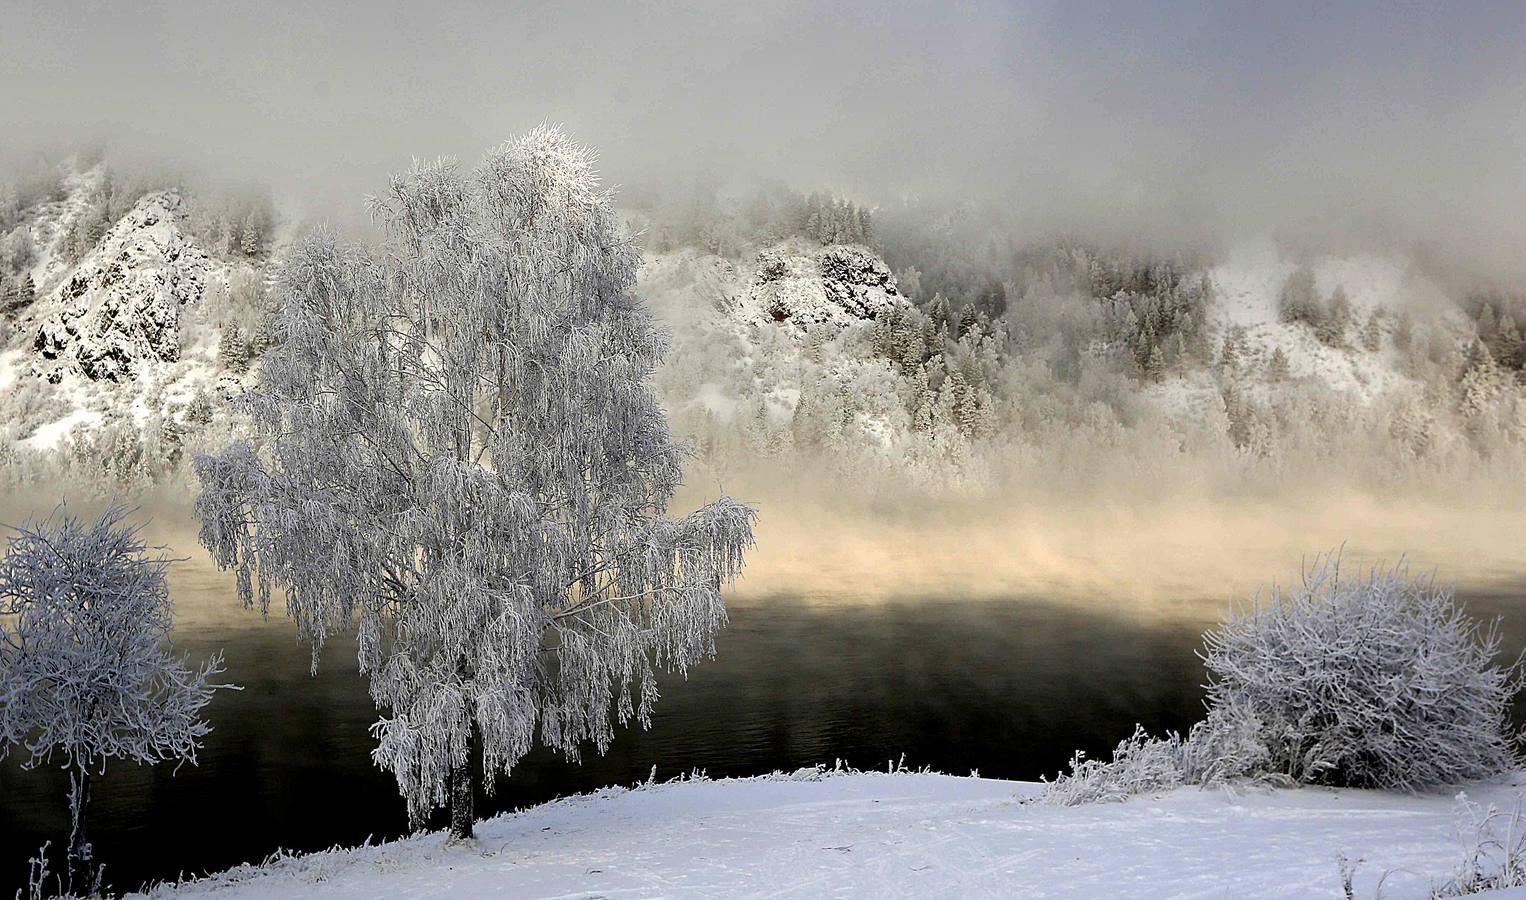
pixel 1010 688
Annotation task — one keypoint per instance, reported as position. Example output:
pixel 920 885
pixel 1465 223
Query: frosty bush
pixel 1224 747
pixel 1494 851
pixel 1380 681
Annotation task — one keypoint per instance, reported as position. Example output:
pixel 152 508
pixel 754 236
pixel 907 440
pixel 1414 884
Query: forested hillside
pixel 913 344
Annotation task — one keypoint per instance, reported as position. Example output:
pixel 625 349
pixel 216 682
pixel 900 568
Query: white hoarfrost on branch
pixel 458 451
pixel 86 667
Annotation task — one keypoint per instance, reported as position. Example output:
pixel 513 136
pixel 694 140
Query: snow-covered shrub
pixel 1140 764
pixel 1378 681
pixel 1227 746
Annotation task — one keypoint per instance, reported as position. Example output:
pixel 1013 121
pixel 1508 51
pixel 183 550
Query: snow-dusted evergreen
pixel 458 451
pixel 87 672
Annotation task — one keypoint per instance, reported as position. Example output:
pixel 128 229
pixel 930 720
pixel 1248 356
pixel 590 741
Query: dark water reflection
pixel 1010 688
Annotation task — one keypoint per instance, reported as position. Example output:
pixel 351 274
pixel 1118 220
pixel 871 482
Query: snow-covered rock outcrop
pixel 837 285
pixel 122 303
pixel 782 350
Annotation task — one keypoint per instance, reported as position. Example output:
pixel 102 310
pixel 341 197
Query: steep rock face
pixel 838 285
pixel 857 281
pixel 121 305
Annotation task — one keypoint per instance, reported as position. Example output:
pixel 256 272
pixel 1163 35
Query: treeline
pixel 1499 317
pixel 24 191
pixel 238 225
pixel 734 223
pixel 232 223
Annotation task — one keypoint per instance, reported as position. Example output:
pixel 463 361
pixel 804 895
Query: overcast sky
pixel 1406 119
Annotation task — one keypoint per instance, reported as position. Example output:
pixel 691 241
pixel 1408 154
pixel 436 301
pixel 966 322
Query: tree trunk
pixel 461 793
pixel 461 802
pixel 81 865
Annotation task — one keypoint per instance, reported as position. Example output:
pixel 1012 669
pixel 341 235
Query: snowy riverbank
pixel 921 835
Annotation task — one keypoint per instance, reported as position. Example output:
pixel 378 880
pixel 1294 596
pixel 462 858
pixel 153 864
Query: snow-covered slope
pixel 1247 287
pixel 51 222
pixel 121 305
pixel 817 834
pixel 1245 299
pixel 126 332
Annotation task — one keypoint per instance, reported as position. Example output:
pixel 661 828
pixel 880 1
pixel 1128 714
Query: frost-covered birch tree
pixel 86 668
pixel 458 453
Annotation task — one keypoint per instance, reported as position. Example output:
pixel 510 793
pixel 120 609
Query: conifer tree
pixel 1299 300
pixel 1331 329
pixel 250 239
pixel 924 399
pixel 1229 355
pixel 459 454
pixel 232 349
pixel 1481 383
pixel 1277 368
pixel 1508 343
pixel 1487 322
pixel 1155 363
pixel 1372 333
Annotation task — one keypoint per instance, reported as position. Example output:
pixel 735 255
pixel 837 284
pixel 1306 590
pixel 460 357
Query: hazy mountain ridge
pixel 764 365
pixel 786 344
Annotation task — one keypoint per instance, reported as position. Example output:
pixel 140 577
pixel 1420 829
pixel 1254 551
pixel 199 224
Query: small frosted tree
pixel 86 668
pixel 232 349
pixel 458 453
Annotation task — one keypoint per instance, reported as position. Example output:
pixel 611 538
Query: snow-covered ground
pixel 905 835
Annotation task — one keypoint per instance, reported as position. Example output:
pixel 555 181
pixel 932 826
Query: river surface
pixel 1010 687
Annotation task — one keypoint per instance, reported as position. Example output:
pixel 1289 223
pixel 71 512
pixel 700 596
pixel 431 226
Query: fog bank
pixel 1400 124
